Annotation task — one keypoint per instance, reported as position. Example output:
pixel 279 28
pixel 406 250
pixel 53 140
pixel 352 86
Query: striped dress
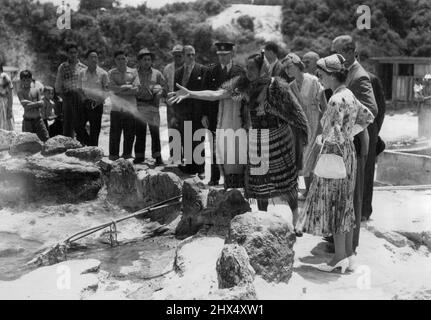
pixel 276 123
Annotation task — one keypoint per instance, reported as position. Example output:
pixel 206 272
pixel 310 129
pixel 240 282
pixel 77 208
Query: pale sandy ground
pixel 384 271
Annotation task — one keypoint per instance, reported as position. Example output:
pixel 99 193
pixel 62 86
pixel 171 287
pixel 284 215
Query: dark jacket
pixel 191 109
pixel 214 81
pixel 380 100
pixel 359 83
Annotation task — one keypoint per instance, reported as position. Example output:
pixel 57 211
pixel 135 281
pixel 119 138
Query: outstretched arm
pixel 207 95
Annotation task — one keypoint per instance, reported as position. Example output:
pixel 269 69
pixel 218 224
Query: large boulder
pixel 59 144
pixel 244 292
pixel 208 208
pixel 91 154
pixel 25 144
pixel 59 179
pixel 268 241
pixel 154 186
pixel 233 267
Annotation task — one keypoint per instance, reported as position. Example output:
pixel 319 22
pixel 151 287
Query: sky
pixel 151 3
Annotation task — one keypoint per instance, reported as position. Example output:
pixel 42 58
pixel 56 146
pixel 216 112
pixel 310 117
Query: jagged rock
pixel 268 241
pixel 392 237
pixel 208 208
pixel 59 144
pixel 60 179
pixel 25 144
pixel 426 239
pixel 233 267
pixel 7 137
pixel 120 178
pixel 154 186
pixel 91 154
pixel 69 280
pixel 245 292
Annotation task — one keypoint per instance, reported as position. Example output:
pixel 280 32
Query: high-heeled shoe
pixel 351 266
pixel 343 264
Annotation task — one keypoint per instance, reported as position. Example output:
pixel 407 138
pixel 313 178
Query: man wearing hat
pixel 169 74
pixel 191 75
pixel 218 74
pixel 359 83
pixel 151 88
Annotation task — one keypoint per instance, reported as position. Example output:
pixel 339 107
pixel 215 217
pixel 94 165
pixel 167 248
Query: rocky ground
pixel 234 261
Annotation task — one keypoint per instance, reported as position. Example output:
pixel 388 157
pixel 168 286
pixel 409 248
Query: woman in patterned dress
pixel 310 93
pixel 328 208
pixel 6 114
pixel 275 123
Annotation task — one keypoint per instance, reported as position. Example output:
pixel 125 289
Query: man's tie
pixel 186 75
pixel 224 74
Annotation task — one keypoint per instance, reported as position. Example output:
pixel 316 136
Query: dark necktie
pixel 224 74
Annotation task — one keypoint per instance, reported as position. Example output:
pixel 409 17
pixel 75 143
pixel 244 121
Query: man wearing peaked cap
pixel 221 115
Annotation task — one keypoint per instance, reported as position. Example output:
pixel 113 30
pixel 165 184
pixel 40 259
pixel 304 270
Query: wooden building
pixel 399 75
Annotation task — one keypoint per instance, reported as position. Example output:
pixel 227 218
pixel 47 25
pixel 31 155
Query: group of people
pixel 300 108
pixel 303 109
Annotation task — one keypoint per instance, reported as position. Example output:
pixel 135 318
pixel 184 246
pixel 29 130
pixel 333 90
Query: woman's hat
pixel 332 63
pixel 292 58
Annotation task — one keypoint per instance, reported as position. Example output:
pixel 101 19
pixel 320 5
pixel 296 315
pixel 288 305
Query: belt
pixel 32 119
pixel 265 122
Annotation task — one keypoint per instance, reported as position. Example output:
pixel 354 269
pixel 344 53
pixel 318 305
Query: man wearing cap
pixel 31 100
pixel 152 87
pixel 217 114
pixel 169 74
pixel 192 76
pixel 359 83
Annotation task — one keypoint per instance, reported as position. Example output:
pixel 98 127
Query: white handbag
pixel 330 166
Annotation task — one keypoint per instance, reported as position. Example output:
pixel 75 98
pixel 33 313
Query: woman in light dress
pixel 328 208
pixel 310 93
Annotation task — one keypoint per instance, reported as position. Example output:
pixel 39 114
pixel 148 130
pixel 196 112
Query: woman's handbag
pixel 330 166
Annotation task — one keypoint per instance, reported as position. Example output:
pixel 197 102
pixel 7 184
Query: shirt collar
pixel 228 66
pixel 190 66
pixel 353 64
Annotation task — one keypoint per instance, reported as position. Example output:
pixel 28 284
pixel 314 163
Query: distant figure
pixel 47 111
pixel 66 86
pixel 310 94
pixel 423 96
pixel 310 62
pixel 271 55
pixel 93 82
pixel 32 102
pixel 192 76
pixel 6 102
pixel 124 84
pixel 224 114
pixel 359 83
pixel 152 88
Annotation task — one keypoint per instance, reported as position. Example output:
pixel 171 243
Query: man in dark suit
pixel 192 76
pixel 359 83
pixel 218 74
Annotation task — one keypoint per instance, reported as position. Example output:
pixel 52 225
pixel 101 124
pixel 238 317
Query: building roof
pixel 10 69
pixel 411 60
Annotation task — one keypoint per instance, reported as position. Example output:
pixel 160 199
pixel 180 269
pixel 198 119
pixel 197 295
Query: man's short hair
pixel 272 46
pixel 119 53
pixel 344 42
pixel 71 45
pixel 90 51
pixel 25 74
pixel 48 89
pixel 189 48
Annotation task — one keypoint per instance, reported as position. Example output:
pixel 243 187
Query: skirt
pixel 272 170
pixel 328 208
